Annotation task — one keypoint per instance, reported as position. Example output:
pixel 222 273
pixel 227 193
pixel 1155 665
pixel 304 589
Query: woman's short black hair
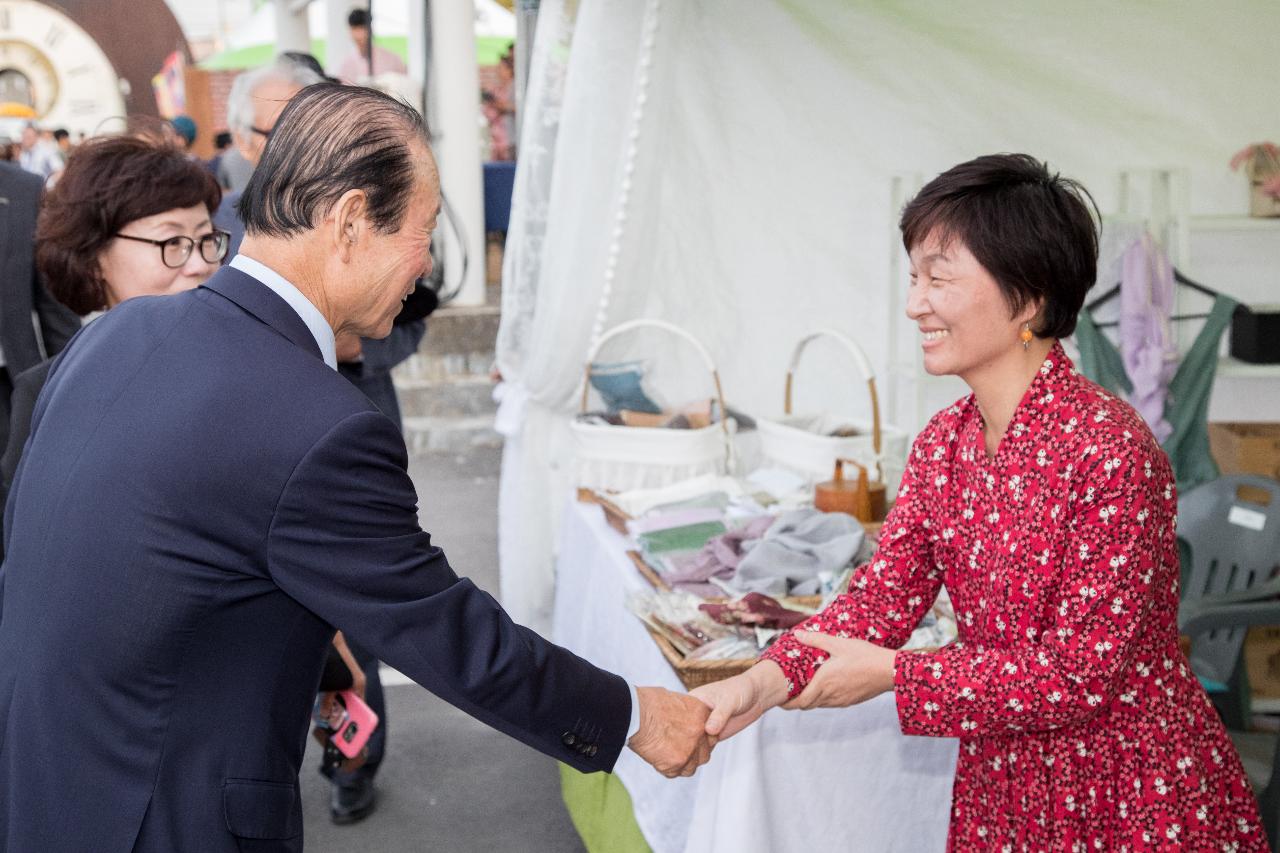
pixel 1032 230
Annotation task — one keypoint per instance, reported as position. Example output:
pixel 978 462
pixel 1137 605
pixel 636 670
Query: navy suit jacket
pixel 201 503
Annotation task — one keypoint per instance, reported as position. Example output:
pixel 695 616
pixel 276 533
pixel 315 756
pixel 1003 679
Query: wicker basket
pixel 621 458
pixel 693 673
pixel 788 444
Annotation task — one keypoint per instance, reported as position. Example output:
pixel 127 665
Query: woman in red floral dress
pixel 1048 510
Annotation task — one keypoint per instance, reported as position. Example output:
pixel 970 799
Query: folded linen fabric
pixel 686 537
pixel 710 489
pixel 676 518
pixel 719 558
pixel 799 546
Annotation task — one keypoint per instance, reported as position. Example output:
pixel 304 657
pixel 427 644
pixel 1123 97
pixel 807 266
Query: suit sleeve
pixel 345 543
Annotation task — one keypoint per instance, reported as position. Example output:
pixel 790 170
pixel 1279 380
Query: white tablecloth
pixel 829 779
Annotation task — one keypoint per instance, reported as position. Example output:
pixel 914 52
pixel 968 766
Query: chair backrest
pixel 1232 526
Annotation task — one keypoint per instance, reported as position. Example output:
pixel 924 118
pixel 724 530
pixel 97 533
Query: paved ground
pixel 448 783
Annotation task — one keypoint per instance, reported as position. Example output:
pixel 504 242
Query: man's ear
pixel 347 222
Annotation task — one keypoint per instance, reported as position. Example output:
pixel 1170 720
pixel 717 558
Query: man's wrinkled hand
pixel 853 672
pixel 672 735
pixel 739 701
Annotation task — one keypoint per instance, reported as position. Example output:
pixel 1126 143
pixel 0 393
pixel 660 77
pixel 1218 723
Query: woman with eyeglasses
pixel 130 216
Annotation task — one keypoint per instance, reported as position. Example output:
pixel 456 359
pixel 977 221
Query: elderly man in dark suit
pixel 25 341
pixel 235 500
pixel 257 98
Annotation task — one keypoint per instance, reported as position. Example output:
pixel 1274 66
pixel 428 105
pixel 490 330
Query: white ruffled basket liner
pixel 800 443
pixel 803 443
pixel 620 458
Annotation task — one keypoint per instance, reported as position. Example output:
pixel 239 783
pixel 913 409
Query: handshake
pixel 678 731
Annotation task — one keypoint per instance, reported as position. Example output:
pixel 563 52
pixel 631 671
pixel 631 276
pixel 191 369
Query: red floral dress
pixel 1081 725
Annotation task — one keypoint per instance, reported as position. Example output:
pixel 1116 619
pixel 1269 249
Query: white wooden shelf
pixel 1236 369
pixel 1234 223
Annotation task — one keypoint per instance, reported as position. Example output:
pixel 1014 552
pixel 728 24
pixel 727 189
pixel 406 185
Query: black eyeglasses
pixel 175 251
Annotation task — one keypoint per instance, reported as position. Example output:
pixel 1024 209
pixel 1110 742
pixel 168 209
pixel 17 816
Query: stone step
pixel 449 434
pixel 463 396
pixel 460 342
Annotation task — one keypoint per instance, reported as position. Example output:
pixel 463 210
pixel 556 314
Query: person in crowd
pixel 221 145
pixel 37 156
pixel 1047 508
pixel 499 142
pixel 62 139
pixel 184 129
pixel 355 68
pixel 255 102
pixel 500 108
pixel 128 217
pixel 10 150
pixel 367 363
pixel 235 500
pixel 33 325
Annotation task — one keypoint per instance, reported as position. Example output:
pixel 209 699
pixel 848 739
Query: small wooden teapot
pixel 860 498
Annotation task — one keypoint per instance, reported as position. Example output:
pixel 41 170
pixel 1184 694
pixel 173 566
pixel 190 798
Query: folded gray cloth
pixel 795 549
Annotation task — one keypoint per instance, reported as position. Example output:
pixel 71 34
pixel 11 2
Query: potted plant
pixel 1261 162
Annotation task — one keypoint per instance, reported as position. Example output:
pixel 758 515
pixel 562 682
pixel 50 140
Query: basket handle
pixel 864 367
pixel 631 325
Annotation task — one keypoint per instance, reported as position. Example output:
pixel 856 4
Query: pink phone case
pixel 358 725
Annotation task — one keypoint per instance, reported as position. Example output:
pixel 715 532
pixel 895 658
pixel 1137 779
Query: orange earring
pixel 1026 336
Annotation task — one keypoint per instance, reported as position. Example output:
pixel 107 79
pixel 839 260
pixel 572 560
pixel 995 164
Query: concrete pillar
pixel 418 44
pixel 338 40
pixel 457 142
pixel 292 31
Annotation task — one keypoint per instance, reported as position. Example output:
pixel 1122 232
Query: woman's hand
pixel 854 672
pixel 739 701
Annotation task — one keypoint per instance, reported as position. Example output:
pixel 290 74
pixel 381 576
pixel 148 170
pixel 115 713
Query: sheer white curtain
pixel 731 162
pixel 575 190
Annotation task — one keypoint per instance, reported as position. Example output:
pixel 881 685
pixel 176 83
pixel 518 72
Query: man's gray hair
pixel 240 99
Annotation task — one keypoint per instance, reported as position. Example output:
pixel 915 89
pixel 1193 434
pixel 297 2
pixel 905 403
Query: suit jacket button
pixel 569 739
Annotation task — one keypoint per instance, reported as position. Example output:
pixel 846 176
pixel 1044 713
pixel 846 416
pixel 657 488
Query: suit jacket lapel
pixel 262 302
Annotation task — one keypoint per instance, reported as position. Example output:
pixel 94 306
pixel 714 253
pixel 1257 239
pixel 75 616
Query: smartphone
pixel 351 721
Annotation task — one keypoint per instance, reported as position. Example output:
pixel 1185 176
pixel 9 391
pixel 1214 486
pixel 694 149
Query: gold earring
pixel 1026 336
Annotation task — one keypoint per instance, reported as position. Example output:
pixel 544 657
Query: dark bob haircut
pixel 331 139
pixel 108 183
pixel 1030 229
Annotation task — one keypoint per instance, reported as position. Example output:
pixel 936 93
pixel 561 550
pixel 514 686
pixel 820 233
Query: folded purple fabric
pixel 754 608
pixel 719 558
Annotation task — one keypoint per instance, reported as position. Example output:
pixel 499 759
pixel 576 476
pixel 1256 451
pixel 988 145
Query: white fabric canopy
pixel 731 167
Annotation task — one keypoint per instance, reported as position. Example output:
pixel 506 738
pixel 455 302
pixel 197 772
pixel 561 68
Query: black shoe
pixel 353 802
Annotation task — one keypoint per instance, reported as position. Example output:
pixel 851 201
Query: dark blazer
pixel 234 501
pixel 20 290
